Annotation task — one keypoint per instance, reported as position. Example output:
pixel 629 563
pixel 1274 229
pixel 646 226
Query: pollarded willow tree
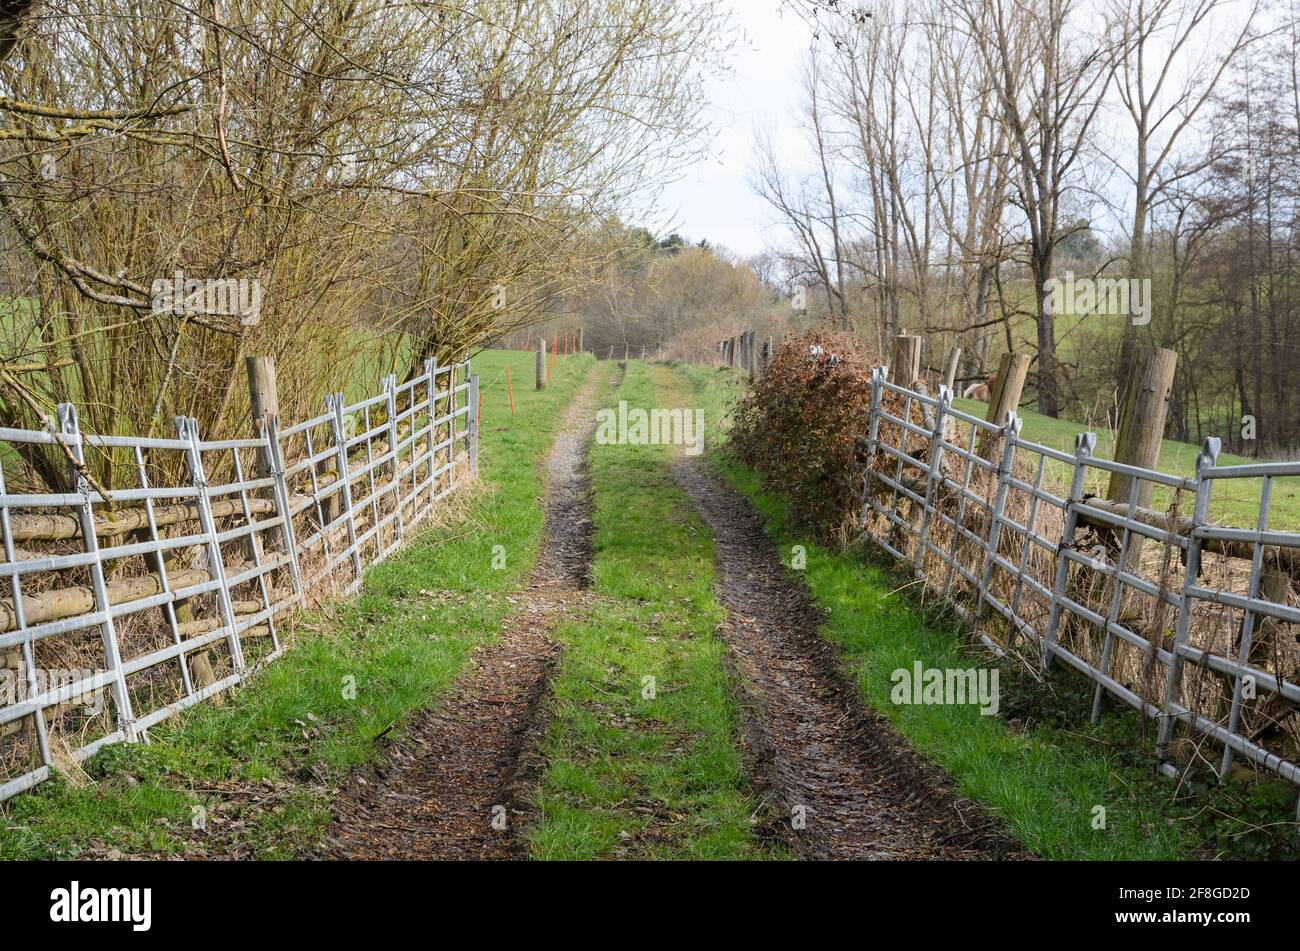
pixel 381 182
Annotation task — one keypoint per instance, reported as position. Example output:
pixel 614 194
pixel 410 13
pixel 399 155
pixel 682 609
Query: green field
pixel 1234 502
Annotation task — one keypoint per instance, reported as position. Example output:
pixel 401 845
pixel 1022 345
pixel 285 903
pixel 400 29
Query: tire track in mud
pixel 817 755
pixel 461 768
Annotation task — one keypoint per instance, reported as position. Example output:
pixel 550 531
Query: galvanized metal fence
pixel 163 595
pixel 1168 613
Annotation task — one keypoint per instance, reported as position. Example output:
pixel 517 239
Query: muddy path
pixel 820 758
pixel 455 786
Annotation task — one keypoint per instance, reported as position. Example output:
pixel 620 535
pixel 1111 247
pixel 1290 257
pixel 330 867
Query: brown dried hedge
pixel 800 426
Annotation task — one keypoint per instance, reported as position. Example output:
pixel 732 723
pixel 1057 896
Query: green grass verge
pixel 1039 765
pixel 635 772
pixel 401 642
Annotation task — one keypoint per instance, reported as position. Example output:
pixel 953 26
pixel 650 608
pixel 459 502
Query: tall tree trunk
pixel 1049 398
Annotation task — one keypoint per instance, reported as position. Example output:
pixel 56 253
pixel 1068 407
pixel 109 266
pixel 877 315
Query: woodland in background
pixel 399 180
pixel 963 153
pixel 407 181
pixel 966 151
pixel 667 299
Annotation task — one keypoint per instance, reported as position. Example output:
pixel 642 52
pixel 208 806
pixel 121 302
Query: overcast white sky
pixel 713 199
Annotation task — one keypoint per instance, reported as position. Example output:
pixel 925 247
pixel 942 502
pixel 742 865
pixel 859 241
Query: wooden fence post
pixel 580 340
pixel 1141 429
pixel 950 368
pixel 905 365
pixel 264 409
pixel 1142 421
pixel 1013 369
pixel 263 402
pixel 541 364
pixel 1004 401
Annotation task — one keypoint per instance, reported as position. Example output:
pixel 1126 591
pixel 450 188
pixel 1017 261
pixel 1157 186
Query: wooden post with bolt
pixel 905 367
pixel 263 404
pixel 1013 370
pixel 1004 400
pixel 1142 420
pixel 1137 443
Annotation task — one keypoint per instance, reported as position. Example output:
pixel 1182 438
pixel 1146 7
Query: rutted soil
pixel 455 786
pixel 820 758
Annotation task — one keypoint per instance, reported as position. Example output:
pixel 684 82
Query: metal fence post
pixel 1010 436
pixel 390 391
pixel 469 409
pixel 1246 632
pixel 334 404
pixel 188 430
pixel 451 423
pixel 473 425
pixel 1084 444
pixel 282 501
pixel 70 436
pixel 1208 457
pixel 28 660
pixel 878 376
pixel 431 414
pixel 935 472
pixel 873 435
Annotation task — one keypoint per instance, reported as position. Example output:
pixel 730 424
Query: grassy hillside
pixel 1235 501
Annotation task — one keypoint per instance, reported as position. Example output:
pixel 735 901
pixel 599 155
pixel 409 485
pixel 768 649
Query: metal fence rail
pixel 975 509
pixel 161 596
